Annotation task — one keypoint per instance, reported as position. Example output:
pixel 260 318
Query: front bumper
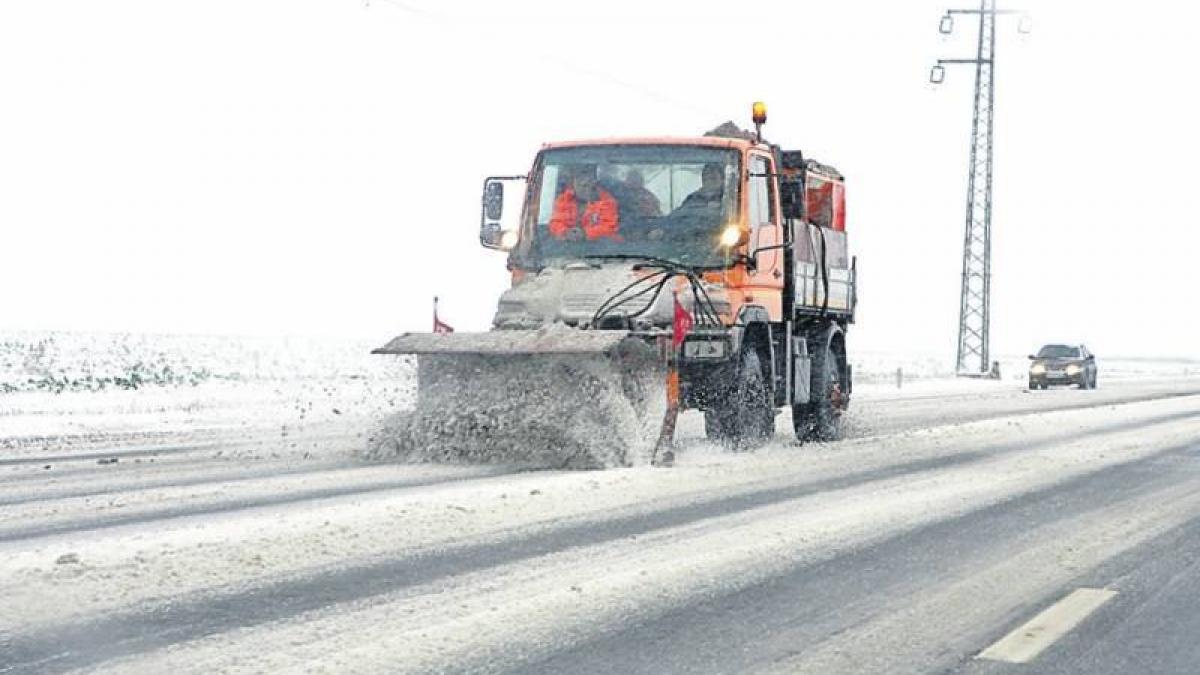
pixel 1050 378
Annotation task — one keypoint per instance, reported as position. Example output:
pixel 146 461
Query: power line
pixel 450 24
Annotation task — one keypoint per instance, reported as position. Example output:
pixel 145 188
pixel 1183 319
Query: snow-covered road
pixel 237 530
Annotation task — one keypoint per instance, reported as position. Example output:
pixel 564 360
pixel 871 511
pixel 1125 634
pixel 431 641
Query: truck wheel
pixel 820 418
pixel 742 417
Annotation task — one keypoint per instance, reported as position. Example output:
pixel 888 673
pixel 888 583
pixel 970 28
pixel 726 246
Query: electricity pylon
pixel 975 302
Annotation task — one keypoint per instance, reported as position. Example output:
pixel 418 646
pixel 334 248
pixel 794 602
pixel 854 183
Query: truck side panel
pixel 811 242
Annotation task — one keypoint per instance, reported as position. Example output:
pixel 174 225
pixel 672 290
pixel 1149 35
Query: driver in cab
pixel 711 190
pixel 693 216
pixel 584 209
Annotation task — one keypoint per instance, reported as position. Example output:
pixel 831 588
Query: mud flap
pixel 802 371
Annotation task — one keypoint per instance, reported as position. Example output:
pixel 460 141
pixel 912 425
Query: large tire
pixel 742 417
pixel 820 418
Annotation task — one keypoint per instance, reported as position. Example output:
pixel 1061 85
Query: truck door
pixel 765 229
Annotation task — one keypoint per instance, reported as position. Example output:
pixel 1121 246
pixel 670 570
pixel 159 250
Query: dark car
pixel 1062 364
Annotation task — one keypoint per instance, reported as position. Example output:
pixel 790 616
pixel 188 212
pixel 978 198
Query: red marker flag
pixel 682 324
pixel 439 327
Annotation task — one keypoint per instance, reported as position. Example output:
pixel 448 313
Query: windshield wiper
pixel 654 260
pixel 653 284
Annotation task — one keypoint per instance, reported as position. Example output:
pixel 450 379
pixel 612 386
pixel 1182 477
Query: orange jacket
pixel 599 217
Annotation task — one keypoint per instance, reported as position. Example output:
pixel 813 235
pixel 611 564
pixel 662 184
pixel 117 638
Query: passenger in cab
pixel 696 214
pixel 584 209
pixel 637 199
pixel 710 192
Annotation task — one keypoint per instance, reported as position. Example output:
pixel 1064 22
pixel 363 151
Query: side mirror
pixel 1091 357
pixel 493 200
pixel 490 234
pixel 791 198
pixel 1032 357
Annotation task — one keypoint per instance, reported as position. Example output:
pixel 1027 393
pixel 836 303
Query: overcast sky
pixel 314 166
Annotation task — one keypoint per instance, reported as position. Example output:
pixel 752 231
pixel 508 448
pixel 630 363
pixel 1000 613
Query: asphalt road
pixel 989 531
pixel 883 608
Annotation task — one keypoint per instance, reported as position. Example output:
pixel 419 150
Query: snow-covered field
pixel 82 392
pixel 185 524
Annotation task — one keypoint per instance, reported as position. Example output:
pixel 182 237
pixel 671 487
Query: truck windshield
pixel 666 201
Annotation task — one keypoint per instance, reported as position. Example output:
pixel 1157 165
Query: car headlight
pixel 1038 368
pixel 1072 369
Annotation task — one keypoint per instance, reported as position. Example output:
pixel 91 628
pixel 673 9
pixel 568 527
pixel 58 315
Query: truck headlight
pixel 733 235
pixel 1072 369
pixel 1038 368
pixel 704 349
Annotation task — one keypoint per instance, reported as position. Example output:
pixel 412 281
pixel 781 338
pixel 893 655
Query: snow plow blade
pixel 551 398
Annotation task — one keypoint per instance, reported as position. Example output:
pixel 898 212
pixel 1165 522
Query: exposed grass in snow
pixel 65 361
pixel 75 391
pixel 60 361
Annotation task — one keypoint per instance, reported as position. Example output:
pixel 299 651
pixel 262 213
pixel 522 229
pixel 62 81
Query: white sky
pixel 314 166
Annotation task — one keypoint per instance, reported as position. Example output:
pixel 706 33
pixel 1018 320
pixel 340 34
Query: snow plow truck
pixel 649 276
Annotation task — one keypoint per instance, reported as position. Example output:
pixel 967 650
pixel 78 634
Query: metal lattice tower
pixel 974 314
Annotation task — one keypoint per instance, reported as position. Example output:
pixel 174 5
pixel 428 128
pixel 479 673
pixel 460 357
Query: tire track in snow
pixel 245 450
pixel 107 446
pixel 232 505
pixel 234 476
pixel 895 415
pixel 841 595
pixel 181 619
pixel 208 470
pixel 92 456
pixel 751 500
pixel 532 608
